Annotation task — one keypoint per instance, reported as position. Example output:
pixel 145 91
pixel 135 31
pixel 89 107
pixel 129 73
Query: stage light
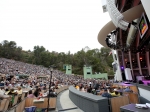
pixel 113 32
pixel 108 36
pixel 131 36
pixel 134 23
pixel 122 67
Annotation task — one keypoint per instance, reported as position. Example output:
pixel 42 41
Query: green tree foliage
pixel 99 59
pixel 10 50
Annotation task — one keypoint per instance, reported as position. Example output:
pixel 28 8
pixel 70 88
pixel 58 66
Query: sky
pixel 58 25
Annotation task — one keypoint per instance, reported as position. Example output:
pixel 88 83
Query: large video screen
pixel 142 26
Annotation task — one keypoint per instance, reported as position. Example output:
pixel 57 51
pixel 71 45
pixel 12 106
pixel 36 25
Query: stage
pixel 146 82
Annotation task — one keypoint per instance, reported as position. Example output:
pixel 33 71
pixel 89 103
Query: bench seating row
pixel 27 102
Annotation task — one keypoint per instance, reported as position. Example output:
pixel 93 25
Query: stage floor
pixel 146 82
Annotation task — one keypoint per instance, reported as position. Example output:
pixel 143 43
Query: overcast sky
pixel 58 25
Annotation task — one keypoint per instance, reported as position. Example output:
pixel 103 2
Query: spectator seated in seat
pixel 106 94
pixel 19 91
pixel 30 95
pixel 127 89
pixel 115 93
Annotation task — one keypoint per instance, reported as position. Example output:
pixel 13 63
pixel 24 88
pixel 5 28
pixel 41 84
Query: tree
pixel 99 59
pixel 8 49
pixel 37 54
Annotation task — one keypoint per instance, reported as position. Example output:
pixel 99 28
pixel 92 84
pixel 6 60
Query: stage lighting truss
pixel 115 15
pixel 113 45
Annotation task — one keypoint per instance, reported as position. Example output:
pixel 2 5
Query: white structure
pixel 116 63
pixel 104 5
pixel 118 76
pixel 115 15
pixel 128 74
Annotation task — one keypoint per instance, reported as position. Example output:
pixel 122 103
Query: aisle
pixel 64 104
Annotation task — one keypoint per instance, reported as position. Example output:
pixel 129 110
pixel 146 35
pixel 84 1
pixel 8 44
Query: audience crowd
pixel 15 86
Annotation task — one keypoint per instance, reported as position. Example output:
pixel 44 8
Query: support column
pixel 120 34
pixel 139 64
pixel 118 72
pixel 123 60
pixel 147 61
pixel 130 58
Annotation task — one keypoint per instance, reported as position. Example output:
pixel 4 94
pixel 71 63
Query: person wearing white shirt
pixel 2 92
